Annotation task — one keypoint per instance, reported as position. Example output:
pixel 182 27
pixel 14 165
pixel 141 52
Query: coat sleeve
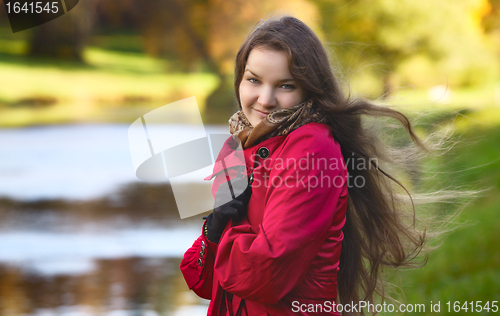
pixel 197 266
pixel 265 263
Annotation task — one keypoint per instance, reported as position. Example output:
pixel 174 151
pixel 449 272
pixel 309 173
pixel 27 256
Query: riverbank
pixel 111 86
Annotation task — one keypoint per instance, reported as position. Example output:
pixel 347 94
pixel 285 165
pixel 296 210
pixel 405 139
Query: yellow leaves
pixel 479 11
pixel 231 21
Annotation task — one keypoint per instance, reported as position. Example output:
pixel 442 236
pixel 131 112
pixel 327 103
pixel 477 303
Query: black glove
pixel 235 209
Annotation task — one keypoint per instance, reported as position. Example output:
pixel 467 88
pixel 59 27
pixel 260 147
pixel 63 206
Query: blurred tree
pixel 125 14
pixel 199 34
pixel 491 22
pixel 385 35
pixel 491 18
pixel 64 37
pixel 228 24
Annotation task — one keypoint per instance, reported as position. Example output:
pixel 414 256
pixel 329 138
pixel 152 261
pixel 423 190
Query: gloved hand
pixel 235 209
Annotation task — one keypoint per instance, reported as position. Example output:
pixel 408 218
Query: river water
pixel 81 235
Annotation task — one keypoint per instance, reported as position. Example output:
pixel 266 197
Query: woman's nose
pixel 267 97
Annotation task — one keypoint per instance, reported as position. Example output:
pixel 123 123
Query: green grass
pixel 111 85
pixel 466 266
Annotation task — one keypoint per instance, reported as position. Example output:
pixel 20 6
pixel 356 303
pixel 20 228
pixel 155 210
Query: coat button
pixel 263 152
pixel 200 262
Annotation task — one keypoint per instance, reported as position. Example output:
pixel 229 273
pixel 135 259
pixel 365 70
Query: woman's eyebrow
pixel 282 80
pixel 287 80
pixel 255 75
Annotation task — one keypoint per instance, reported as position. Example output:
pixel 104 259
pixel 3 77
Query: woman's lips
pixel 261 113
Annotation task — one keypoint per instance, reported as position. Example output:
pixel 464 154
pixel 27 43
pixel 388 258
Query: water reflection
pixel 109 256
pixel 83 161
pixel 79 237
pixel 125 286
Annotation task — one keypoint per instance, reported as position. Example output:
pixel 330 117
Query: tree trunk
pixel 221 104
pixel 66 36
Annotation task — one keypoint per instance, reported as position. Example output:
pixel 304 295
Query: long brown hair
pixel 377 232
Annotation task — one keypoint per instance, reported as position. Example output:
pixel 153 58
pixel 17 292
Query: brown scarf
pixel 277 123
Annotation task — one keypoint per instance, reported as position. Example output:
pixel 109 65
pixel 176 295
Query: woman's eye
pixel 288 86
pixel 253 80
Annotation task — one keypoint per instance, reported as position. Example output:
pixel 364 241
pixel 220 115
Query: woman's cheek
pixel 247 92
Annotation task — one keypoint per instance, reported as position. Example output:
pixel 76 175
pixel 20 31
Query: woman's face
pixel 267 85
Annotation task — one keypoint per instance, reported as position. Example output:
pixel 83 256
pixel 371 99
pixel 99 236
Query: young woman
pixel 319 213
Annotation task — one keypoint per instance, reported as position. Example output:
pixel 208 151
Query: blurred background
pixel 81 235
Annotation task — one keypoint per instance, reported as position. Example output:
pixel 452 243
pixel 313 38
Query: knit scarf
pixel 277 123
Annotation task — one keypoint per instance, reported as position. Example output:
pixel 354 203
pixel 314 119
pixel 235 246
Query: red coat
pixel 284 257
